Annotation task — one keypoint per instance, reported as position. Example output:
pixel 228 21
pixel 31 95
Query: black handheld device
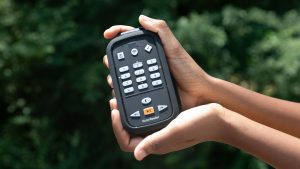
pixel 144 89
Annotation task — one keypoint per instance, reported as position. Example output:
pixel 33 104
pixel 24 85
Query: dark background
pixel 53 94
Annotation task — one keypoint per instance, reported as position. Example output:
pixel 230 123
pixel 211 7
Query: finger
pixel 109 81
pixel 113 104
pixel 115 30
pixel 123 137
pixel 160 27
pixel 157 143
pixel 105 61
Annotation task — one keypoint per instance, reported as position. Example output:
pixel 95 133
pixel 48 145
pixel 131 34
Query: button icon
pixel 146 100
pixel 120 55
pixel 123 69
pixel 136 114
pixel 127 83
pixel 156 82
pixel 153 68
pixel 143 86
pixel 134 51
pixel 148 111
pixel 125 76
pixel 162 107
pixel 141 79
pixel 155 75
pixel 148 48
pixel 128 90
pixel 139 72
pixel 137 65
pixel 151 61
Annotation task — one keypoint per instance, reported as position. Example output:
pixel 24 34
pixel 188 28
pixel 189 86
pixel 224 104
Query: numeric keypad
pixel 140 75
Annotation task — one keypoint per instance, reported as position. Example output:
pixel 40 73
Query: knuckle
pixel 162 24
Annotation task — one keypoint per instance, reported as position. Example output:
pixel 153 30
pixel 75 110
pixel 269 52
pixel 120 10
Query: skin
pixel 265 127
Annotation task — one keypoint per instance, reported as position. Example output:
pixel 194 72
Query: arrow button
pixel 136 114
pixel 162 107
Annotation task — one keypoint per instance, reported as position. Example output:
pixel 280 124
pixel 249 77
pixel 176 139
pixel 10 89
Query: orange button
pixel 148 111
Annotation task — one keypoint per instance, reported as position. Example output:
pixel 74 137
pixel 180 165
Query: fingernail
pixel 144 17
pixel 141 155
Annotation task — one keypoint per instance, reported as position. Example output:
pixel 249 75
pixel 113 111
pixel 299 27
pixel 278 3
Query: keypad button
pixel 137 65
pixel 141 79
pixel 120 55
pixel 123 69
pixel 148 111
pixel 162 107
pixel 136 114
pixel 143 86
pixel 148 48
pixel 127 83
pixel 155 75
pixel 134 51
pixel 125 76
pixel 146 100
pixel 153 68
pixel 139 72
pixel 128 90
pixel 156 83
pixel 151 61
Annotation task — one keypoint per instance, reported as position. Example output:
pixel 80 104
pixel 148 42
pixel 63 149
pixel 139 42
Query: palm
pixel 189 85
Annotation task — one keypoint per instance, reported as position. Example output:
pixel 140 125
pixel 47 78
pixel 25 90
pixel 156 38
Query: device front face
pixel 143 86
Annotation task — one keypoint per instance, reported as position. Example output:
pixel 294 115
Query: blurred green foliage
pixel 53 94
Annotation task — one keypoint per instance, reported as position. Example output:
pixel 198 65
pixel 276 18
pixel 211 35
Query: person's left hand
pixel 193 126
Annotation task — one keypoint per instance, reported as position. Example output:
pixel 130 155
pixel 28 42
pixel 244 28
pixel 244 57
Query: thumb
pixel 156 143
pixel 161 28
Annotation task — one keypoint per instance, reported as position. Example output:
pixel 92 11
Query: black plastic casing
pixel 146 129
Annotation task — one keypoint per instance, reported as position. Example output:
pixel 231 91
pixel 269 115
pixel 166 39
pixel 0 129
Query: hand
pixel 193 126
pixel 192 82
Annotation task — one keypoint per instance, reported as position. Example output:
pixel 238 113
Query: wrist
pixel 224 120
pixel 218 127
pixel 208 89
pixel 230 123
pixel 212 91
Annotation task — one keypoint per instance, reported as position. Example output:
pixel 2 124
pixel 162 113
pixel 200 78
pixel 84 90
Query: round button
pixel 146 100
pixel 134 51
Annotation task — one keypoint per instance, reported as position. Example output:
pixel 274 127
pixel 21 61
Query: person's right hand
pixel 192 82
